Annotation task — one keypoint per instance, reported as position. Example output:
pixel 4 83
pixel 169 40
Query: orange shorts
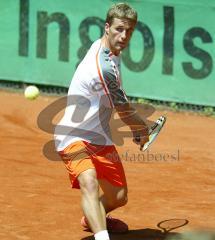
pixel 81 156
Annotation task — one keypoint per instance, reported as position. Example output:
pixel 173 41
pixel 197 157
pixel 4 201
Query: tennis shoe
pixel 114 225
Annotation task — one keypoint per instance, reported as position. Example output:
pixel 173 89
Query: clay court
pixel 175 181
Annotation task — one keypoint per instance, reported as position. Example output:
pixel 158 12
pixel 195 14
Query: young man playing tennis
pixel 86 146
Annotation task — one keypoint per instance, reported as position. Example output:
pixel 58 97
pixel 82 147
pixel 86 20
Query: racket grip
pixel 137 139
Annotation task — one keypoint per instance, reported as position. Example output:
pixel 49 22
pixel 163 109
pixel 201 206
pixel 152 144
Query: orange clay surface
pixel 175 179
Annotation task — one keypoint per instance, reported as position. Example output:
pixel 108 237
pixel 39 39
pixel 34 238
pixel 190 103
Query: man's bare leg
pixel 95 207
pixel 113 196
pixel 91 204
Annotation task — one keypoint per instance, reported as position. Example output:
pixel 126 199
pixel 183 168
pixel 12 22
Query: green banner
pixel 170 56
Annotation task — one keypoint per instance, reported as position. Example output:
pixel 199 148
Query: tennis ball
pixel 31 92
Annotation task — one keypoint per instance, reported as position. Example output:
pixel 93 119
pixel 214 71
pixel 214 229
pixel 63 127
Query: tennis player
pixel 85 142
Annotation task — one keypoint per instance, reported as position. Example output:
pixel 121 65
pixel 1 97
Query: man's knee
pixel 123 201
pixel 88 182
pixel 119 200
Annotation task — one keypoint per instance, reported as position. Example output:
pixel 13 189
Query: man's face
pixel 119 34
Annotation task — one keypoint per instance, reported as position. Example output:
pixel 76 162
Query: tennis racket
pixel 171 224
pixel 153 132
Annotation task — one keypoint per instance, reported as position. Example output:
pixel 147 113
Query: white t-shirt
pixel 94 91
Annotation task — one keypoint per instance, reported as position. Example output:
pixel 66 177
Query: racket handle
pixel 159 121
pixel 137 138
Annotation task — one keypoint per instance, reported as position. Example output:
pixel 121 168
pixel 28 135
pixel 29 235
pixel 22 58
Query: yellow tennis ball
pixel 31 92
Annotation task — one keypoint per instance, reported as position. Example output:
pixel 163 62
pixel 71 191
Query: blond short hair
pixel 121 11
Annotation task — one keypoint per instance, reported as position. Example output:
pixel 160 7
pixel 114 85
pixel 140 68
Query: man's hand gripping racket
pixel 153 132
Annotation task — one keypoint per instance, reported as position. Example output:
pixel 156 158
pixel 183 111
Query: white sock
pixel 102 235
